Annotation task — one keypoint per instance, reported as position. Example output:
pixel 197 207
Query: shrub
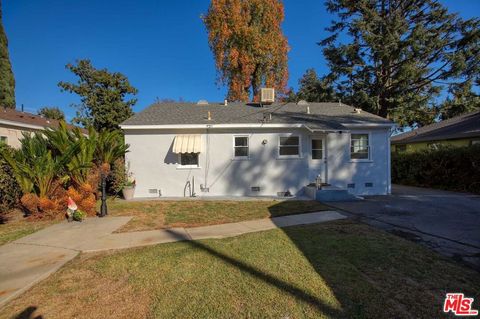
pixel 79 215
pixel 10 191
pixel 450 168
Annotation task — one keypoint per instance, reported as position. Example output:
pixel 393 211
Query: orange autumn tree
pixel 249 46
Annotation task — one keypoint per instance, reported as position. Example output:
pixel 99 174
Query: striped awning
pixel 187 144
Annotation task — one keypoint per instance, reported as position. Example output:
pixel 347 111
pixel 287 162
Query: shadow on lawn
pixel 28 313
pixel 288 288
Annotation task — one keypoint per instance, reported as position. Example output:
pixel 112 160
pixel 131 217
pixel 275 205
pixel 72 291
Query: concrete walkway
pixel 33 258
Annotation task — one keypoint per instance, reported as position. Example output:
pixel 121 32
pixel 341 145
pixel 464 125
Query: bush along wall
pixel 56 164
pixel 450 168
pixel 10 191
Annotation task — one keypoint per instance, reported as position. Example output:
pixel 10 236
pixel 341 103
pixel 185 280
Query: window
pixel 3 139
pixel 289 146
pixel 359 148
pixel 240 147
pixel 317 149
pixel 400 148
pixel 189 159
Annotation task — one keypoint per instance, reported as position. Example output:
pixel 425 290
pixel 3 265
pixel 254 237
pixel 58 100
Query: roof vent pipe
pixel 209 116
pixel 308 109
pixel 225 102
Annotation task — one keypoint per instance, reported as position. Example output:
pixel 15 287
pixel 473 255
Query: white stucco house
pixel 239 149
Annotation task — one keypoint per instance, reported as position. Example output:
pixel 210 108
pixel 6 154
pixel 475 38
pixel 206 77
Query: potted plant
pixel 128 189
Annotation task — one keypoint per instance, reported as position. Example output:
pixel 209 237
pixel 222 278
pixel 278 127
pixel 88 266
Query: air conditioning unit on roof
pixel 267 95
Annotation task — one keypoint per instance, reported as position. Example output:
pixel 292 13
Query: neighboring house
pixel 13 123
pixel 463 130
pixel 246 150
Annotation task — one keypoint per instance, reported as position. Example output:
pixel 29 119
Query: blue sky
pixel 161 46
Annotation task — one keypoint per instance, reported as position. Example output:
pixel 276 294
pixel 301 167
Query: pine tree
pixel 313 89
pixel 248 44
pixel 7 81
pixel 392 57
pixel 462 99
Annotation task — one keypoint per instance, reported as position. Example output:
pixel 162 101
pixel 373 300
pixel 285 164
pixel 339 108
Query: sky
pixel 161 46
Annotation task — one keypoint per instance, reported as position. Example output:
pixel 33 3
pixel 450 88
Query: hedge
pixel 10 191
pixel 450 168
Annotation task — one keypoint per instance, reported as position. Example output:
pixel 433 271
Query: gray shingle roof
pixel 322 115
pixel 463 126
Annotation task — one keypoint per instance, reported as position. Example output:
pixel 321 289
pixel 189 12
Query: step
pixel 330 194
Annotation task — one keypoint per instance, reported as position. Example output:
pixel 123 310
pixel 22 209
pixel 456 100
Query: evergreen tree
pixel 53 113
pixel 462 99
pixel 248 44
pixel 392 57
pixel 313 89
pixel 7 81
pixel 103 94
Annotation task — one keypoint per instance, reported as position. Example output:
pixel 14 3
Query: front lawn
pixel 17 226
pixel 156 214
pixel 340 269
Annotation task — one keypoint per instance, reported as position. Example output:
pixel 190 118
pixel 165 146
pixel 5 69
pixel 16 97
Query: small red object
pixel 71 204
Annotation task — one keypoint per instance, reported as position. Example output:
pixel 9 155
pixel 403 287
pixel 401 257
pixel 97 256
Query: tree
pixel 462 100
pixel 104 96
pixel 53 113
pixel 392 57
pixel 248 44
pixel 7 81
pixel 313 89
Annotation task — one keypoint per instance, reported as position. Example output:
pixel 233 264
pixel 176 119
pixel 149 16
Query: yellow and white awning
pixel 187 144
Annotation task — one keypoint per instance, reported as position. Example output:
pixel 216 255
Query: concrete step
pixel 330 194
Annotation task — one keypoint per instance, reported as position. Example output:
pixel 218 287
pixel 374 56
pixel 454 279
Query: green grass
pixel 13 230
pixel 331 270
pixel 158 214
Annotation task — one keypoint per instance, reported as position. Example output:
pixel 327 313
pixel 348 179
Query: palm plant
pixel 110 147
pixel 80 164
pixel 34 165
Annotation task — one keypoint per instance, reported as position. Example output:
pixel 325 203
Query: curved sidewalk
pixel 33 258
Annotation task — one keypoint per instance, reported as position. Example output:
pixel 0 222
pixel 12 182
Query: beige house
pixel 13 123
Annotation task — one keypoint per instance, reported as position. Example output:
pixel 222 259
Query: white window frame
pixel 312 149
pixel 369 147
pixel 234 146
pixel 4 139
pixel 299 147
pixel 180 166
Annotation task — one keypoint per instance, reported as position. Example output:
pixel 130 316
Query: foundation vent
pixel 352 185
pixel 153 191
pixel 368 184
pixel 255 188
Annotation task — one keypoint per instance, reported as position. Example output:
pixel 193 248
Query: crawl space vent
pixel 153 191
pixel 255 188
pixel 368 184
pixel 352 185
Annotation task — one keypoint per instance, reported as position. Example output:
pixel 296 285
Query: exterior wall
pixel 155 166
pixel 13 134
pixel 414 147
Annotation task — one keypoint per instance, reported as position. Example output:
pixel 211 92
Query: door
pixel 317 158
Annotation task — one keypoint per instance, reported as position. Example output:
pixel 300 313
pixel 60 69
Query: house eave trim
pixel 22 125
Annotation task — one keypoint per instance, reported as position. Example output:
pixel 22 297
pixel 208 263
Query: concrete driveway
pixel 447 222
